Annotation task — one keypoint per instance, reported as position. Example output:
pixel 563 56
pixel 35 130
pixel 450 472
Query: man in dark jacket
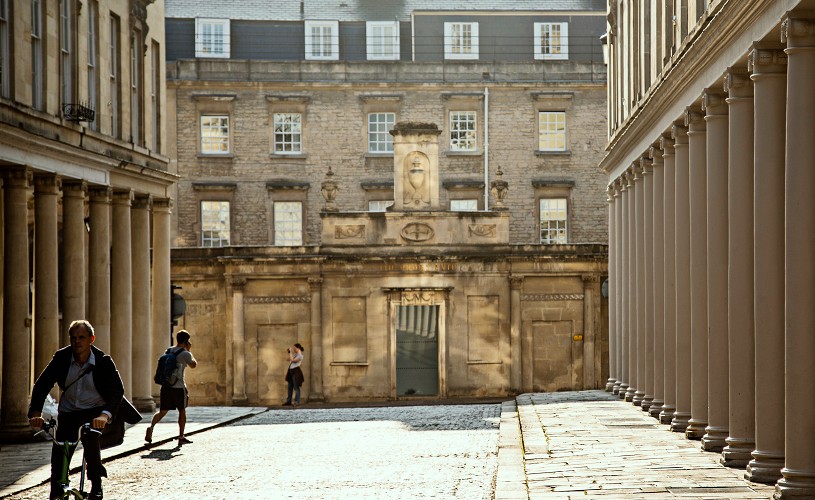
pixel 92 391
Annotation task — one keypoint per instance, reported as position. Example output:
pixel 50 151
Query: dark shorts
pixel 173 398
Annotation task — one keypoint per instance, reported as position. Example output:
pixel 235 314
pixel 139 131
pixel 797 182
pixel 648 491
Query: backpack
pixel 166 369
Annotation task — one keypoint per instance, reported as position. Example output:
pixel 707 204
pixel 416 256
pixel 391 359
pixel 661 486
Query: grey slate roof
pixel 359 10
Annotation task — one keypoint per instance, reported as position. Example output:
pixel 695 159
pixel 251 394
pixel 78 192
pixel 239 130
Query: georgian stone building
pixel 85 198
pixel 712 227
pixel 408 189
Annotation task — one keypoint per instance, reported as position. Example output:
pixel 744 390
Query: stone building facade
pixel 712 227
pixel 86 191
pixel 293 222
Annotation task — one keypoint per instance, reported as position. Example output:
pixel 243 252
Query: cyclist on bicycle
pixel 92 391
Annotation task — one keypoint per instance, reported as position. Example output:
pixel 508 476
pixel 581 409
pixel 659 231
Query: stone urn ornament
pixel 416 177
pixel 498 189
pixel 329 190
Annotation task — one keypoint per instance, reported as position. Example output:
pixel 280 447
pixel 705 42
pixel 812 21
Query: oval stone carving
pixel 417 232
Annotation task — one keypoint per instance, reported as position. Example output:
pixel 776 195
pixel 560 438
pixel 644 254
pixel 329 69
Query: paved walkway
pixel 566 445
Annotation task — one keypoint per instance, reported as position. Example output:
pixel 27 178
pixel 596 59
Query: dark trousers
pixel 68 425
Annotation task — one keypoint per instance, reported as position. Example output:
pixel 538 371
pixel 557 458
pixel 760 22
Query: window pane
pixel 379 205
pixel 215 134
pixel 463 205
pixel 288 133
pixel 551 131
pixel 553 218
pixel 379 126
pixel 214 223
pixel 288 223
pixel 463 131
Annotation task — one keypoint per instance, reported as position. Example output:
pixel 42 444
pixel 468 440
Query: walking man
pixel 174 396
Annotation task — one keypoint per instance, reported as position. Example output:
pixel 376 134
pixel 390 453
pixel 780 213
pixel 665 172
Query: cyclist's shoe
pixel 148 435
pixel 96 490
pixel 183 440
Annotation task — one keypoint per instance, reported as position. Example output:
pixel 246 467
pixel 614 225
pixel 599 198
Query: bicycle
pixel 67 491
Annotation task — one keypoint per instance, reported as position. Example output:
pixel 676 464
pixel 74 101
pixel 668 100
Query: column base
pixel 610 384
pixel 145 404
pixel 638 397
pixel 629 394
pixel 316 397
pixel 795 484
pixel 656 407
pixel 680 421
pixel 765 467
pixel 695 430
pixel 737 452
pixel 714 438
pixel 647 401
pixel 17 433
pixel 666 414
pixel 241 400
pixel 616 389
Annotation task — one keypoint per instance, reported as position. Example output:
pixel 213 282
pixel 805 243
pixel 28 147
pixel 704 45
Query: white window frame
pixel 455 40
pixel 207 43
pixel 378 41
pixel 553 214
pixel 551 129
pixel 288 223
pixel 464 205
pixel 463 138
pixel 215 134
pixel 215 223
pixel 327 50
pixel 288 133
pixel 545 36
pixel 379 138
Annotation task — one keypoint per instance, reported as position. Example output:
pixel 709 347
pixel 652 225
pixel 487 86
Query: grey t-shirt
pixel 183 358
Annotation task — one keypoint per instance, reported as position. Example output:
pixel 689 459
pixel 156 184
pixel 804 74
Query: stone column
pixel 669 272
pixel 741 343
pixel 590 282
pixel 645 290
pixel 73 252
pixel 99 266
pixel 642 172
pixel 46 278
pixel 142 318
pixel 612 296
pixel 515 286
pixel 769 75
pixel 657 270
pixel 160 290
pixel 716 118
pixel 697 155
pixel 618 289
pixel 237 284
pixel 681 416
pixel 121 288
pixel 634 183
pixel 16 320
pixel 799 240
pixel 625 299
pixel 316 361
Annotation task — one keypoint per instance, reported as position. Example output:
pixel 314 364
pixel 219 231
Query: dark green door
pixel 417 351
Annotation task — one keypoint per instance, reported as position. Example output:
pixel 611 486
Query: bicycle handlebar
pixel 52 424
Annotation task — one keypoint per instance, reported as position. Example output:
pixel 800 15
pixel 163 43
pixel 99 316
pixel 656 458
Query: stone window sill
pixel 277 156
pixel 553 153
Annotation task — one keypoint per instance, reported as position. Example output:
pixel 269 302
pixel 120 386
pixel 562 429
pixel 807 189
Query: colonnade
pixel 712 268
pixel 106 275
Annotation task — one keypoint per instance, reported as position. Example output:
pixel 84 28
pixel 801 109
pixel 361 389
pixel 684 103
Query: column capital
pixel 315 284
pixel 798 30
pixel 679 134
pixel 143 202
pixel 737 83
pixel 123 197
pixel 620 182
pixel 766 58
pixel 636 173
pixel 18 177
pixel 74 188
pixel 516 282
pixel 47 183
pixel 656 153
pixel 236 283
pixel 100 194
pixel 666 144
pixel 589 279
pixel 694 119
pixel 162 204
pixel 713 102
pixel 610 193
pixel 646 165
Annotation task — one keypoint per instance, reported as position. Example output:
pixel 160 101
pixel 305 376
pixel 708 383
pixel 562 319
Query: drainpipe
pixel 486 148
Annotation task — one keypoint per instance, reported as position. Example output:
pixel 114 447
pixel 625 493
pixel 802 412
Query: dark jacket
pixel 106 378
